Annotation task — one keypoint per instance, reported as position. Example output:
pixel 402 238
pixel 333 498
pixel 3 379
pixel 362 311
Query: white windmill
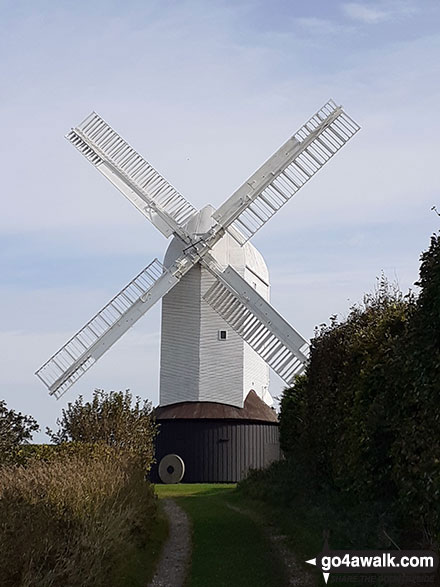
pixel 219 332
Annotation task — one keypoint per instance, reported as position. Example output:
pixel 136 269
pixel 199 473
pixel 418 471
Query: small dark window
pixel 222 334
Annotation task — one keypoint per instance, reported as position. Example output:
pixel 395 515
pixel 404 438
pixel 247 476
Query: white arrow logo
pixel 312 561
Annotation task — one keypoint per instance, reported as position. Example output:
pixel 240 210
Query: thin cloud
pixel 320 26
pixel 378 12
pixel 365 14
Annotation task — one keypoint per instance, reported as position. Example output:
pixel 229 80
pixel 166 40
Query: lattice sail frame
pixel 67 365
pixel 287 171
pixel 257 322
pixel 145 187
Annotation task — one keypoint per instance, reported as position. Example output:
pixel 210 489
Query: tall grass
pixel 71 521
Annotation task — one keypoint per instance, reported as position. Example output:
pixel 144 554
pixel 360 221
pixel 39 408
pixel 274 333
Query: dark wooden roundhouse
pixel 217 443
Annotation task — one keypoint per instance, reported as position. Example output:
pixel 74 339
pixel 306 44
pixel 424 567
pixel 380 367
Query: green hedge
pixel 365 418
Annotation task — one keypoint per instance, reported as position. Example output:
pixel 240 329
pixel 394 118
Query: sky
pixel 205 91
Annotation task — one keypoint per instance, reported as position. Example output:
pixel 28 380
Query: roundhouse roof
pixel 254 408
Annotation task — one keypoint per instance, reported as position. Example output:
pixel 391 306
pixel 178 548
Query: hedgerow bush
pixel 16 431
pixel 114 418
pixel 361 427
pixel 341 410
pixel 365 417
pixel 416 451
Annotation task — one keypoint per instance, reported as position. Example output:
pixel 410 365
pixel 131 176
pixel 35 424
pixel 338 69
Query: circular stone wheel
pixel 171 469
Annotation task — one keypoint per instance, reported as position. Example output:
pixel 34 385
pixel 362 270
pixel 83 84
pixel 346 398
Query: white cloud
pixel 374 13
pixel 366 14
pixel 320 26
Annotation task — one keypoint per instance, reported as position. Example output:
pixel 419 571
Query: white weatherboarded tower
pixel 202 358
pixel 220 334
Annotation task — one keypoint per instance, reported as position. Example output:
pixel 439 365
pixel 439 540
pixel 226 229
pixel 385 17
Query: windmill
pixel 220 334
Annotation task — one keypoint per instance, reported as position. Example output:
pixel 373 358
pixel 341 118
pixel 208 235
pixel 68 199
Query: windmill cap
pixel 201 222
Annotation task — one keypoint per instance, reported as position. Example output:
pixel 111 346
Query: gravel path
pixel 175 557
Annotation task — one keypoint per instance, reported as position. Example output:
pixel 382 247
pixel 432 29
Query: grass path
pixel 139 565
pixel 229 548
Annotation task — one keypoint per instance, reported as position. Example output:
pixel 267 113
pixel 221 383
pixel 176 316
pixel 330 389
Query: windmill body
pixel 202 357
pixel 220 334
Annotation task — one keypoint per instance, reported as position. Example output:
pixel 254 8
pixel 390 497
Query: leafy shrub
pixel 416 452
pixel 365 418
pixel 15 431
pixel 113 418
pixel 66 450
pixel 334 415
pixel 276 484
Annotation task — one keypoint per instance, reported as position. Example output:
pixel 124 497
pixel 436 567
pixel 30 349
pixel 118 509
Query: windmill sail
pixel 242 215
pixel 159 201
pixel 103 330
pixel 258 323
pixel 277 180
